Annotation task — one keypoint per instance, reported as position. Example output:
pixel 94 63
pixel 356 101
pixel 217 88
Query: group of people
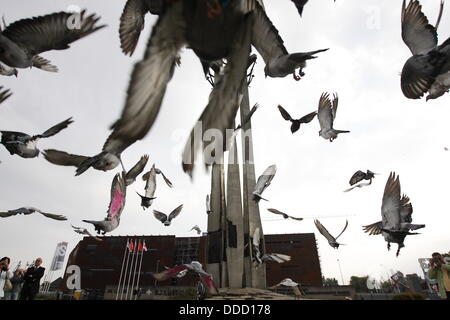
pixel 20 284
pixel 440 271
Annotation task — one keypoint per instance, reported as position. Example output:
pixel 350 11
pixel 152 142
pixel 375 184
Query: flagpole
pixel 125 274
pixel 129 276
pixel 140 267
pixel 121 270
pixel 135 266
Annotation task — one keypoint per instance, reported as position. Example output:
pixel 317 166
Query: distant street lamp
pixel 342 278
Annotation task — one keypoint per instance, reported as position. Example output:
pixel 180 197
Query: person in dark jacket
pixel 32 281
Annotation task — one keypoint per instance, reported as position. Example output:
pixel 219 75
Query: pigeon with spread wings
pixel 116 206
pixel 22 41
pixel 358 176
pixel 150 186
pixel 167 219
pixel 332 241
pixel 266 257
pixel 4 94
pixel 194 266
pixel 30 210
pixel 25 145
pixel 396 213
pixel 136 170
pixel 428 70
pixel 296 122
pixel 285 216
pixel 227 32
pixel 196 228
pixel 327 115
pixel 263 182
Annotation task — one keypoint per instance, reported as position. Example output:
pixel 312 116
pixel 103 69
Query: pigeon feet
pixel 299 76
pixel 389 246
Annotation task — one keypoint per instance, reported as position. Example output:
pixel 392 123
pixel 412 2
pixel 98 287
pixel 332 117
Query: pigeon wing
pixel 8 213
pixel 284 113
pixel 149 81
pixel 250 114
pixel 324 231
pixel 132 23
pixel 346 225
pixel 276 211
pixel 417 33
pixel 118 196
pixel 175 212
pixel 300 4
pixel 374 229
pixel 54 130
pixel 62 158
pixel 325 114
pixel 51 32
pixel 160 216
pixel 406 209
pixel 357 177
pixel 170 273
pixel 138 168
pixel 308 118
pixel 166 180
pixel 390 208
pixel 52 216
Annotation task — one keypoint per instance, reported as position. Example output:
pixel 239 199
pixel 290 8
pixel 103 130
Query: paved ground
pixel 250 294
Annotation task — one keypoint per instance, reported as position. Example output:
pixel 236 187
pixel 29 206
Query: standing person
pixel 17 283
pixel 5 273
pixel 32 281
pixel 440 271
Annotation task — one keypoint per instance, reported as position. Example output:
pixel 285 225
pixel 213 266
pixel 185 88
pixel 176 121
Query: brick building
pixel 101 262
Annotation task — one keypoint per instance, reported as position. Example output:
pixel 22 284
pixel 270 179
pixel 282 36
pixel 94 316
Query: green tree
pixel 329 282
pixel 359 283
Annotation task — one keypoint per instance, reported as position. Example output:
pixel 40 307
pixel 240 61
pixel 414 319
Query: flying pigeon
pixel 224 32
pixel 150 186
pixel 86 232
pixel 332 241
pixel 326 116
pixel 194 266
pixel 396 213
pixel 428 70
pixel 196 228
pixel 288 282
pixel 208 205
pixel 296 122
pixel 30 210
pixel 22 41
pixel 263 182
pixel 4 94
pixel 166 220
pixel 285 216
pixel 24 145
pixel 116 206
pixel 359 176
pixel 136 170
pixel 267 257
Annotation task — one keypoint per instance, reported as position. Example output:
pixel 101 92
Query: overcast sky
pixel 388 133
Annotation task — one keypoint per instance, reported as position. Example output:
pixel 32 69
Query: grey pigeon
pixel 196 228
pixel 296 122
pixel 263 182
pixel 150 186
pixel 167 219
pixel 359 176
pixel 327 115
pixel 22 41
pixel 4 94
pixel 267 257
pixel 136 170
pixel 31 210
pixel 396 213
pixel 428 70
pixel 116 206
pixel 224 31
pixel 285 216
pixel 332 241
pixel 24 145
